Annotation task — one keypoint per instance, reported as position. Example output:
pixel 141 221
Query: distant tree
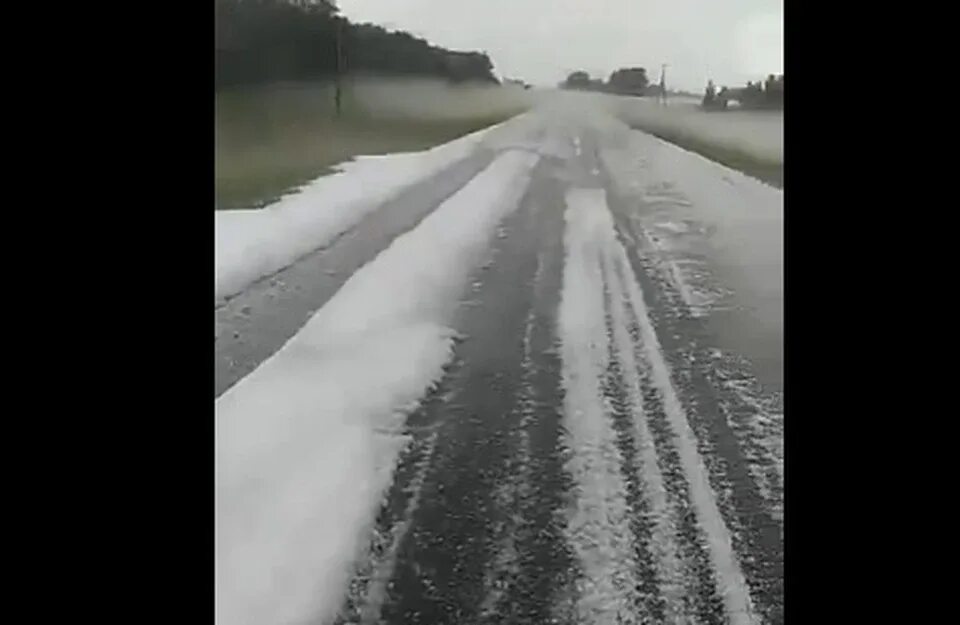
pixel 763 94
pixel 578 80
pixel 272 40
pixel 774 91
pixel 468 66
pixel 629 81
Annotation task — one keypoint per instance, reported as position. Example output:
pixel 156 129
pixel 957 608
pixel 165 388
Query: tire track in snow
pixel 698 592
pixel 701 599
pixel 512 492
pixel 451 555
pixel 368 590
pixel 730 452
pixel 739 435
pixel 620 410
pixel 729 578
pixel 671 569
pixel 753 415
pixel 539 593
pixel 598 523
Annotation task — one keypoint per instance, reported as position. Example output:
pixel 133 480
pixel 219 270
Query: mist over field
pixel 758 133
pixel 272 138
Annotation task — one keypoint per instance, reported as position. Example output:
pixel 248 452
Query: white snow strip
pixel 668 565
pixel 250 244
pixel 304 450
pixel 688 296
pixel 598 527
pixel 731 584
pixel 665 200
pixel 421 277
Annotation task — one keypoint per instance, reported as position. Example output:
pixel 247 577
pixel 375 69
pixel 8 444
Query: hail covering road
pixel 603 443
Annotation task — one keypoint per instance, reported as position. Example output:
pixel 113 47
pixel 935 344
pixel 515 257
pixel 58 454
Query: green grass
pixel 768 171
pixel 270 141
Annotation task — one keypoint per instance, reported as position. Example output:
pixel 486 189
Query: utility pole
pixel 337 86
pixel 663 84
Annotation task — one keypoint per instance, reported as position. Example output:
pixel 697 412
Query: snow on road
pixel 598 527
pixel 250 244
pixel 716 236
pixel 306 443
pixel 657 240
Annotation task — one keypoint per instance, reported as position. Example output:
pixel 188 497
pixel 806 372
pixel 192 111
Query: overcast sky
pixel 541 41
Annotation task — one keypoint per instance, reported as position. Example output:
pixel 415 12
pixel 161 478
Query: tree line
pixel 624 81
pixel 766 94
pixel 260 41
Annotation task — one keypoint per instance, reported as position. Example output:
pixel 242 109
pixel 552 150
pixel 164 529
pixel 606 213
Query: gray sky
pixel 731 41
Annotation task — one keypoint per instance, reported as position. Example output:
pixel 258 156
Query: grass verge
pixel 271 139
pixel 764 170
pixel 258 172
